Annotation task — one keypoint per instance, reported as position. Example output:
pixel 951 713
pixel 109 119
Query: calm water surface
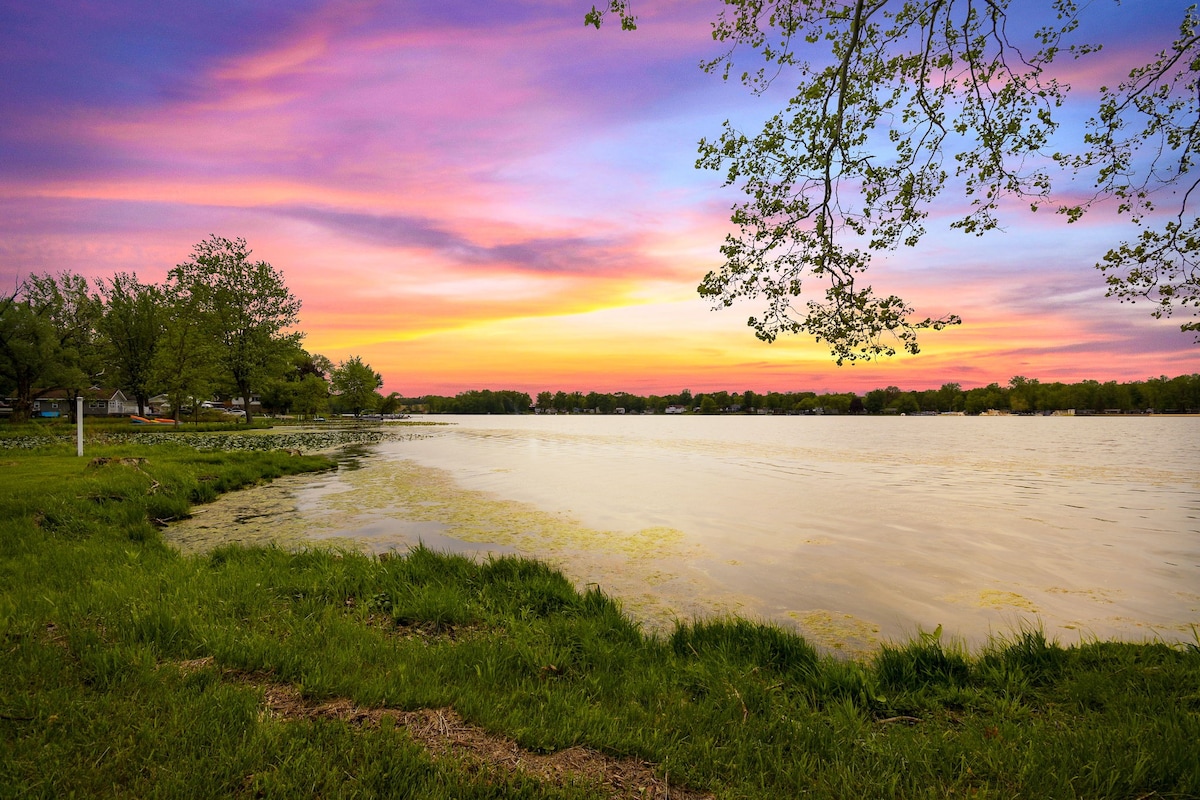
pixel 854 530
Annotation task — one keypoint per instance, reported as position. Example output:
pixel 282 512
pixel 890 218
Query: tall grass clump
pixel 921 663
pixel 1022 661
pixel 740 641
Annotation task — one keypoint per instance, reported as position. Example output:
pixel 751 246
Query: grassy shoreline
pixel 130 670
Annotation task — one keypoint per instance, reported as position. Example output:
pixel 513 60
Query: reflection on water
pixel 351 456
pixel 852 529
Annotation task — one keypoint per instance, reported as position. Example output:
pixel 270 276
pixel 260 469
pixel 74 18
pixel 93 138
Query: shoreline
pixel 386 505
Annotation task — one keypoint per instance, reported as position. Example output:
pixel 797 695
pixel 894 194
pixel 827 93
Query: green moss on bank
pixel 130 670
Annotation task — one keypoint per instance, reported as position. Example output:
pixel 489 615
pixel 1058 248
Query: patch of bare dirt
pixel 444 733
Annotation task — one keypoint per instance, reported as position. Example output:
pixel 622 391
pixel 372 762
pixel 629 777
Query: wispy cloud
pixel 571 255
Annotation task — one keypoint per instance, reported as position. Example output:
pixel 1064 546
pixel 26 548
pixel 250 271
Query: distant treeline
pixel 1020 396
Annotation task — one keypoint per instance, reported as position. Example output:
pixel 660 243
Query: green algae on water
pixel 392 505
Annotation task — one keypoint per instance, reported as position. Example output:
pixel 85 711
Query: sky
pixel 491 195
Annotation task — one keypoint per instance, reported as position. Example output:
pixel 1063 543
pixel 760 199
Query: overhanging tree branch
pixel 847 170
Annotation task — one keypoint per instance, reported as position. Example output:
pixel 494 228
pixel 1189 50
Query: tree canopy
pixel 28 345
pixel 243 304
pixel 893 99
pixel 131 326
pixel 355 382
pixel 1021 395
pixel 48 338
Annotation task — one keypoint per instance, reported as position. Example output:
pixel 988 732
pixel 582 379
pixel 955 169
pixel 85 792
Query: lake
pixel 854 530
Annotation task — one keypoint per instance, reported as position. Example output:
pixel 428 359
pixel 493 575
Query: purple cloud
pixel 573 255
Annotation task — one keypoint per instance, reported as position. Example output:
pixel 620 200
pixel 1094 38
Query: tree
pixel 890 91
pixel 1023 394
pixel 277 395
pixel 355 382
pixel 312 364
pixel 72 310
pixel 311 396
pixel 879 399
pixel 906 403
pixel 838 403
pixel 244 306
pixel 301 387
pixel 950 397
pixel 28 343
pixel 185 365
pixel 131 327
pixel 985 398
pixel 928 400
pixel 390 404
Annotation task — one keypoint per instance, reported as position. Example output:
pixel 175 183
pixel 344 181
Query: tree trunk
pixel 245 390
pixel 22 410
pixel 23 405
pixel 72 406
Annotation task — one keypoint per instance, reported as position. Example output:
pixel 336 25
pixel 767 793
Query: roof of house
pixel 94 393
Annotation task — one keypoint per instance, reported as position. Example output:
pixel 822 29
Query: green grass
pixel 98 619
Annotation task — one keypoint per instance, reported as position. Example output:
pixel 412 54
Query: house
pixel 239 403
pixel 53 403
pixel 97 402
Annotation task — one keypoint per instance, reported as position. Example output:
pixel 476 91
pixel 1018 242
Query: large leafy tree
pixel 131 327
pixel 311 396
pixel 72 310
pixel 390 404
pixel 896 98
pixel 302 387
pixel 186 359
pixel 355 383
pixel 312 388
pixel 28 343
pixel 244 306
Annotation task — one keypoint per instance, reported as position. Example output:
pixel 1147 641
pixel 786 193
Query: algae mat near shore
pixel 391 505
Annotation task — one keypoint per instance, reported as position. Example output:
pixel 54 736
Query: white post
pixel 79 425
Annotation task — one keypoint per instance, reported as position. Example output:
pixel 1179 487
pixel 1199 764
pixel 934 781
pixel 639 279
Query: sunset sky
pixel 490 195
